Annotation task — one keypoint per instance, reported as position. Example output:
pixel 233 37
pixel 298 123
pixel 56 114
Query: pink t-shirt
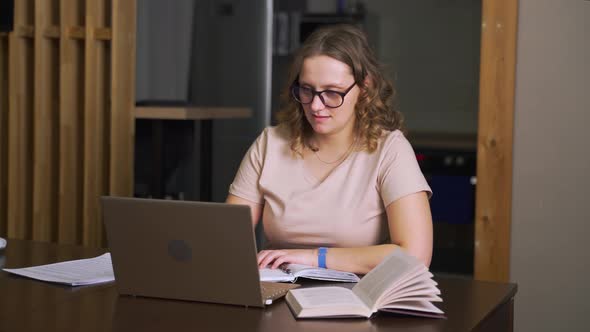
pixel 346 209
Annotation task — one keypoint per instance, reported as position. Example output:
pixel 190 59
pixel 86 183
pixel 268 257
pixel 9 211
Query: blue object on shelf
pixel 453 200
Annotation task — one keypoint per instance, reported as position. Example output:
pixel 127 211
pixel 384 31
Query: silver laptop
pixel 186 250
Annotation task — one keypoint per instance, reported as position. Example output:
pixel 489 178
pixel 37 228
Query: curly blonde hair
pixel 374 109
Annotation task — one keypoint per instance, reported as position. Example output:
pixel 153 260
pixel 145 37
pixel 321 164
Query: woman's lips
pixel 320 117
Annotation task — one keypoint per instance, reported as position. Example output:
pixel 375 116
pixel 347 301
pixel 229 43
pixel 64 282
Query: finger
pixel 271 258
pixel 280 260
pixel 265 254
pixel 268 258
pixel 262 254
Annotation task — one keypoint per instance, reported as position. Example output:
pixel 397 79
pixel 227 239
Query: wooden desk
pixel 28 305
pixel 205 115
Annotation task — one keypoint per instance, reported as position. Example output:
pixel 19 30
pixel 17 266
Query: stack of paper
pixel 74 273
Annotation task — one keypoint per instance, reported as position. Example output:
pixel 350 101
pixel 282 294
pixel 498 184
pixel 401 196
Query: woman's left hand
pixel 275 258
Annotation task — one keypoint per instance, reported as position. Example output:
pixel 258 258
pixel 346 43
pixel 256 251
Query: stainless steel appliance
pixel 202 53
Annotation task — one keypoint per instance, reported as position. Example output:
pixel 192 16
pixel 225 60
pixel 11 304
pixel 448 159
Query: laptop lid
pixel 183 250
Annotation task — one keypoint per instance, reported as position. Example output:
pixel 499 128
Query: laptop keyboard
pixel 271 291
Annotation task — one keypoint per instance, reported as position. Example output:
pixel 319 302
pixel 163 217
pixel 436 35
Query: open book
pixel 290 273
pixel 399 284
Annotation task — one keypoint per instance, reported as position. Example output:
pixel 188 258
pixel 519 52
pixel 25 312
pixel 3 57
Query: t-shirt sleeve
pixel 399 173
pixel 246 182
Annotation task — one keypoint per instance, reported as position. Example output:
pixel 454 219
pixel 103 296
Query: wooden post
pixel 71 109
pixel 494 151
pixel 122 97
pixel 93 126
pixel 45 139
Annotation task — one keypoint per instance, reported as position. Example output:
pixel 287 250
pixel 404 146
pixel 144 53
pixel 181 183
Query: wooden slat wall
pixel 494 151
pixel 66 119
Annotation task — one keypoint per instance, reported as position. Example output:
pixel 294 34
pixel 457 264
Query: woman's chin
pixel 321 129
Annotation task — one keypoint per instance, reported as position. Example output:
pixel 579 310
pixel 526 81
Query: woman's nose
pixel 316 103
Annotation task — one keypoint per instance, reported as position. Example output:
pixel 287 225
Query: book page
pixel 296 269
pixel 312 272
pixel 275 275
pixel 421 281
pixel 327 302
pixel 417 297
pixel 413 277
pixel 392 270
pixel 325 296
pixel 74 273
pixel 425 291
pixel 424 306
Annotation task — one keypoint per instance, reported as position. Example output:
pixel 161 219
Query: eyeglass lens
pixel 329 98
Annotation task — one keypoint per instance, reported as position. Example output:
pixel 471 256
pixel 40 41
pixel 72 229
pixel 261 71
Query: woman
pixel 336 183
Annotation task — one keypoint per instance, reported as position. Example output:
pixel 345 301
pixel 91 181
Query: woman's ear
pixel 367 82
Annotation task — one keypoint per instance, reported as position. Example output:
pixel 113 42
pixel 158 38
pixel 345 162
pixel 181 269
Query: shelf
pixel 191 113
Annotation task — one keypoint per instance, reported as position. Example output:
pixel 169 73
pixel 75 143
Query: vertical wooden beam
pixel 20 90
pixel 122 97
pixel 103 77
pixel 71 91
pixel 45 133
pixel 93 129
pixel 494 150
pixel 3 132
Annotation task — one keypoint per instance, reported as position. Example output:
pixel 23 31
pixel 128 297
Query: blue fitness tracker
pixel 322 251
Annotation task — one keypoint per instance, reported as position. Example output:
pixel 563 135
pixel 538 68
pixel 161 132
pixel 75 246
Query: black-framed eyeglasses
pixel 329 98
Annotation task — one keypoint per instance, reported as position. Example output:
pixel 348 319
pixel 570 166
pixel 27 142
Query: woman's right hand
pixel 274 258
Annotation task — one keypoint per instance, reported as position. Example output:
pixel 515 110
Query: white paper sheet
pixel 74 273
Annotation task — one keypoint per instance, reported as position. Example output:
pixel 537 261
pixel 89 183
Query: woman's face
pixel 320 73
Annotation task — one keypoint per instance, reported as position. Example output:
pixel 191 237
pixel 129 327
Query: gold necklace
pixel 343 156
